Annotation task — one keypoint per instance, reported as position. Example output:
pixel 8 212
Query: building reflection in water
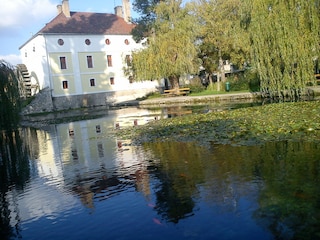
pixel 83 159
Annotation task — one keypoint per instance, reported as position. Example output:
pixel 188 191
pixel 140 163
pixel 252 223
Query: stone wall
pixel 79 101
pixel 41 103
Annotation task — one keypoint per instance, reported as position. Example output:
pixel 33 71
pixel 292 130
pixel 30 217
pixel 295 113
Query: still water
pixel 76 181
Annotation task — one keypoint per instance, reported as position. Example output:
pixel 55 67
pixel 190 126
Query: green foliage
pixel 285 42
pixel 282 37
pixel 145 22
pixel 247 80
pixel 241 126
pixel 221 36
pixel 171 50
pixel 9 97
pixel 196 85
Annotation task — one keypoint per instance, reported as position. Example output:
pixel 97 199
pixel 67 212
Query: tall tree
pixel 171 50
pixel 285 44
pixel 147 16
pixel 222 37
pixel 9 96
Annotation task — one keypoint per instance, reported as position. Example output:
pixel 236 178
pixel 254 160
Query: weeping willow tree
pixel 9 97
pixel 170 49
pixel 285 44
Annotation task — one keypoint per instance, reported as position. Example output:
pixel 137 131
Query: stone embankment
pixel 41 103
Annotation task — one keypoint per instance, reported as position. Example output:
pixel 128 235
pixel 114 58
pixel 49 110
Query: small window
pixel 89 62
pixel 128 60
pixel 25 54
pixel 98 129
pixel 130 79
pixel 112 80
pixel 126 42
pixel 107 41
pixel 60 42
pixel 92 82
pixel 65 84
pixel 109 58
pixel 34 49
pixel 87 41
pixel 63 63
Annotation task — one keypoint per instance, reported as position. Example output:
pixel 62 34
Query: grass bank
pixel 294 121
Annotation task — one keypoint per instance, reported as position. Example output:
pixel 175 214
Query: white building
pixel 80 58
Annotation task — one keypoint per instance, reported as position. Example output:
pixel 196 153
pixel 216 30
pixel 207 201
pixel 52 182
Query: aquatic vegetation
pixel 293 121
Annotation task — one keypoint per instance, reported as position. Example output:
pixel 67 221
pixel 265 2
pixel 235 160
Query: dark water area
pixel 76 181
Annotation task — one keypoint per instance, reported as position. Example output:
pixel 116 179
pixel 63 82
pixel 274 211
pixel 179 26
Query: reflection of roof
pixel 88 23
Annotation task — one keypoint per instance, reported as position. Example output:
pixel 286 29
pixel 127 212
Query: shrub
pixel 247 80
pixel 196 85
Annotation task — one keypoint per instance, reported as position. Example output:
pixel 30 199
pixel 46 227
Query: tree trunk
pixel 174 81
pixel 221 68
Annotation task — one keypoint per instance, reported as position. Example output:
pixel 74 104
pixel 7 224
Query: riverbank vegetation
pixel 291 121
pixel 277 40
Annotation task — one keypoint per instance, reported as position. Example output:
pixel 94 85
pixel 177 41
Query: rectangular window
pixel 112 80
pixel 109 58
pixel 92 82
pixel 63 63
pixel 89 62
pixel 128 60
pixel 65 84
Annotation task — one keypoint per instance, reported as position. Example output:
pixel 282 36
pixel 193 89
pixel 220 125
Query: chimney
pixel 118 11
pixel 65 8
pixel 126 10
pixel 59 8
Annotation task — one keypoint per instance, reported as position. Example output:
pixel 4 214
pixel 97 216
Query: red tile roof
pixel 88 23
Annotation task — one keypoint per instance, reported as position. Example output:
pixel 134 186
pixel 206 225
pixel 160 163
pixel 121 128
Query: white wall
pixel 35 58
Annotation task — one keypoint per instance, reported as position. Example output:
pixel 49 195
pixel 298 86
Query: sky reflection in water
pixel 88 185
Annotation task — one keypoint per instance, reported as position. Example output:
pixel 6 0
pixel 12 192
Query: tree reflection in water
pixel 14 173
pixel 283 177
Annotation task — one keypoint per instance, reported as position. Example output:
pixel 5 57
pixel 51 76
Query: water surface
pixel 76 181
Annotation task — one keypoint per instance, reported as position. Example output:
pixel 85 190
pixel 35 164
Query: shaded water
pixel 76 181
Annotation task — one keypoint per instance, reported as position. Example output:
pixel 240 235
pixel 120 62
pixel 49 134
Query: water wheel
pixel 24 81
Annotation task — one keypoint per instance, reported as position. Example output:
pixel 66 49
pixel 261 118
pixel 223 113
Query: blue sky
pixel 22 18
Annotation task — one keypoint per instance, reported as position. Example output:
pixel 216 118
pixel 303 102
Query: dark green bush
pixel 196 85
pixel 247 80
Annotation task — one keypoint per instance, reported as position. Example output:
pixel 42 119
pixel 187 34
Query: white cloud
pixel 12 59
pixel 18 14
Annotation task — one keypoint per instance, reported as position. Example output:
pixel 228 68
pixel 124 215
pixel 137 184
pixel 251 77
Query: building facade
pixel 82 59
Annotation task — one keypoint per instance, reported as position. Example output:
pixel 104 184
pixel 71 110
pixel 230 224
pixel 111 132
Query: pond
pixel 77 181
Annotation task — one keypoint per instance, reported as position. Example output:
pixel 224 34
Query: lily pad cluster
pixel 293 121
